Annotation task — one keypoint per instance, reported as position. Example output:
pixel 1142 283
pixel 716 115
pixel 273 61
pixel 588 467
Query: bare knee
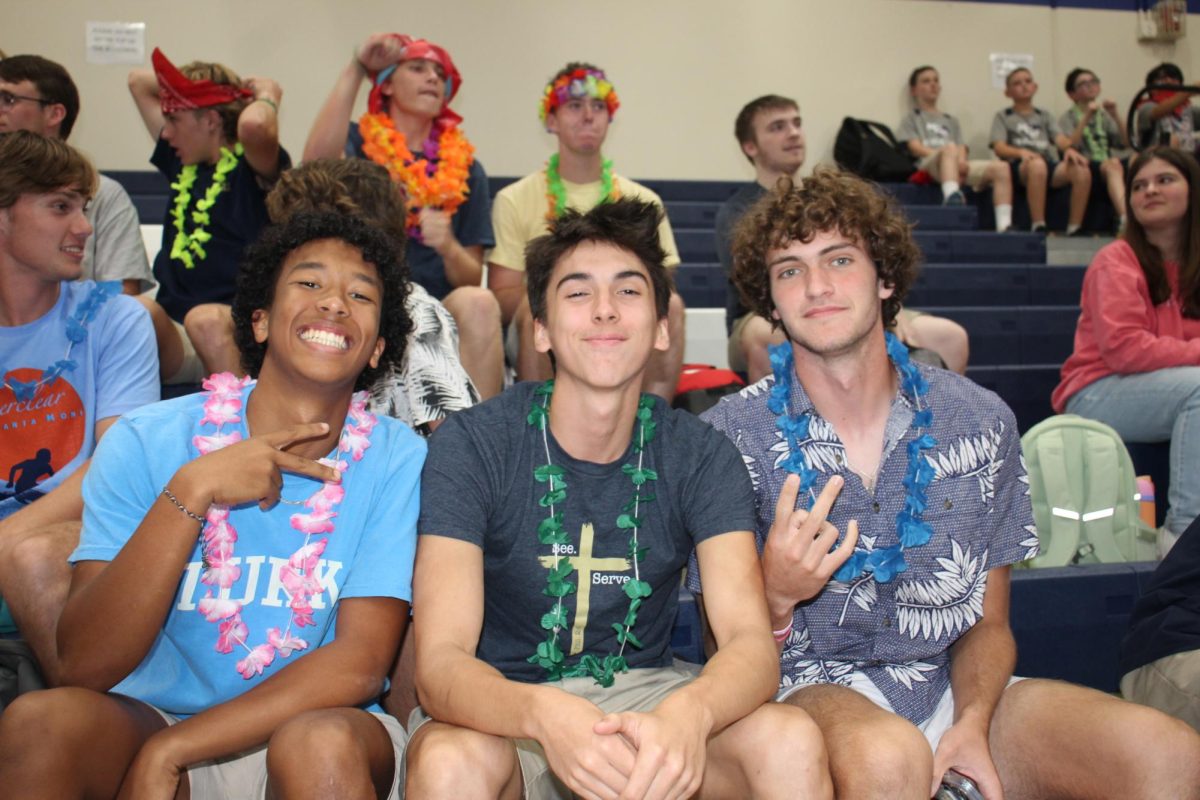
pixel 1165 759
pixel 42 729
pixel 209 324
pixel 787 737
pixel 1034 170
pixel 449 761
pixel 474 308
pixel 323 748
pixel 890 758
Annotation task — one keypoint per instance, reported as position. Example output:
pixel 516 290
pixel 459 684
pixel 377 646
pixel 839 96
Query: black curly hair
pixel 259 273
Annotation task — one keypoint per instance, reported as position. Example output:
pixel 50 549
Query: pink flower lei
pixel 223 406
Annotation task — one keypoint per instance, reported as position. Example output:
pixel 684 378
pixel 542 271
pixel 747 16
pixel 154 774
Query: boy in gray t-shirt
pixel 935 140
pixel 1095 128
pixel 1029 137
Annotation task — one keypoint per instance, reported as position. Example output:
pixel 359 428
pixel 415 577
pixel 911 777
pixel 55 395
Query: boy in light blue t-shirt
pixel 242 581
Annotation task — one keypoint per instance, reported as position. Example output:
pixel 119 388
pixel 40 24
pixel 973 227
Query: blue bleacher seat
pixel 687 636
pixel 689 214
pixel 701 285
pixel 943 218
pixel 1069 621
pixel 969 285
pixel 1056 285
pixel 1025 388
pixel 988 246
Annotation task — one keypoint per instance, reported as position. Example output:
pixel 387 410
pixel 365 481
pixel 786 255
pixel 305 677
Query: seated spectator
pixel 935 140
pixel 1028 137
pixel 38 95
pixel 544 614
pixel 410 129
pixel 577 106
pixel 218 144
pixel 1136 364
pixel 1096 128
pixel 1160 655
pixel 429 383
pixel 76 355
pixel 1168 118
pixel 768 130
pixel 896 641
pixel 207 552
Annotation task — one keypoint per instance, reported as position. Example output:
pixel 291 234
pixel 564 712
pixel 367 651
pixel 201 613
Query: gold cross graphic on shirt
pixel 585 565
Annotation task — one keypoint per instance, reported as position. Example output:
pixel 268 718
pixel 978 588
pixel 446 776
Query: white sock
pixel 949 188
pixel 1003 216
pixel 1072 228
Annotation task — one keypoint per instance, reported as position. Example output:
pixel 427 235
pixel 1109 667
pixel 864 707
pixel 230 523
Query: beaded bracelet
pixel 167 493
pixel 782 635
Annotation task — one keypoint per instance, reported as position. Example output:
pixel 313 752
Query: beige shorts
pixel 636 690
pixel 976 169
pixel 1171 684
pixel 735 352
pixel 933 728
pixel 245 775
pixel 191 370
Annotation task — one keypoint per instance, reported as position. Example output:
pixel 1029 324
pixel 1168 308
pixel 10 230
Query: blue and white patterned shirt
pixel 896 634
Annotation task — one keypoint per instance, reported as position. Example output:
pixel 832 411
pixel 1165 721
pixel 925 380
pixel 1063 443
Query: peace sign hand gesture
pixel 251 470
pixel 797 561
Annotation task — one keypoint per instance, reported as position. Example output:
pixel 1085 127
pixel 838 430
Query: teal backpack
pixel 1084 493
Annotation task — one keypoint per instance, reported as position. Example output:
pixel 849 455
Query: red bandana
pixel 413 49
pixel 176 92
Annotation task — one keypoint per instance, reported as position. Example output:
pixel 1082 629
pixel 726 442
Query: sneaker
pixel 955 198
pixel 1079 234
pixel 1039 227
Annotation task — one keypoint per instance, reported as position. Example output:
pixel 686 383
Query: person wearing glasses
pixel 1096 128
pixel 38 95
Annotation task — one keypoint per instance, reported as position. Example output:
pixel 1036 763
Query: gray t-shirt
pixel 933 130
pixel 1035 132
pixel 1099 137
pixel 478 486
pixel 1183 127
pixel 114 251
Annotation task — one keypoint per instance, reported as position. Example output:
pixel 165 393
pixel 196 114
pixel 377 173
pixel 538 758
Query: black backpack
pixel 870 150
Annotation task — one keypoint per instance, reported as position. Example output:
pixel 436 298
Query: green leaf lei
pixel 558 193
pixel 549 654
pixel 188 247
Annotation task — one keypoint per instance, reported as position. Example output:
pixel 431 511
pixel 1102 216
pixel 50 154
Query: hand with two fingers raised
pixel 250 470
pixel 799 556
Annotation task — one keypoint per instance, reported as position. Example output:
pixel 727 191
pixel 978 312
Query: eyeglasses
pixel 1088 83
pixel 8 99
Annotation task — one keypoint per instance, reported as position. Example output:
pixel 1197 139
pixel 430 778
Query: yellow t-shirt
pixel 519 215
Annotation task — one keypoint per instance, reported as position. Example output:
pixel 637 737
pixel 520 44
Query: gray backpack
pixel 1084 493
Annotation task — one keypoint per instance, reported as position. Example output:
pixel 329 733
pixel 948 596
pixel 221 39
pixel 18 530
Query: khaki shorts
pixel 735 352
pixel 245 775
pixel 1170 684
pixel 636 690
pixel 976 169
pixel 191 370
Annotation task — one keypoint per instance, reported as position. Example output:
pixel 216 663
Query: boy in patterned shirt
pixel 904 656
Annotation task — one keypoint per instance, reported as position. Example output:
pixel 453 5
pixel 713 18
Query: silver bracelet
pixel 167 493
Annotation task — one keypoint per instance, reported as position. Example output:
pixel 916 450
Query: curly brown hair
pixel 829 200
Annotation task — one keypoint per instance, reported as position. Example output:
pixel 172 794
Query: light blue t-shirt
pixel 369 553
pixel 46 438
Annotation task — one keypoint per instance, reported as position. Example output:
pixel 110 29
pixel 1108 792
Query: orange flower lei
pixel 444 187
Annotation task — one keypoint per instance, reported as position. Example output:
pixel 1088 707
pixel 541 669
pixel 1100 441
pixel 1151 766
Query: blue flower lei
pixel 911 529
pixel 76 334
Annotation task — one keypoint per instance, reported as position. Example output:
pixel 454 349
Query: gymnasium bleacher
pixel 1020 312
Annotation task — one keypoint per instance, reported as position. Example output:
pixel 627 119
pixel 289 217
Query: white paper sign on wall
pixel 116 42
pixel 1004 63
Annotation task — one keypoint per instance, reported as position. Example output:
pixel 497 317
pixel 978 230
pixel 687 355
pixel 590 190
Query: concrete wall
pixel 683 68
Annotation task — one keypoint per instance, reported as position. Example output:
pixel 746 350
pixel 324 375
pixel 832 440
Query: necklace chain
pixel 883 563
pixel 549 654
